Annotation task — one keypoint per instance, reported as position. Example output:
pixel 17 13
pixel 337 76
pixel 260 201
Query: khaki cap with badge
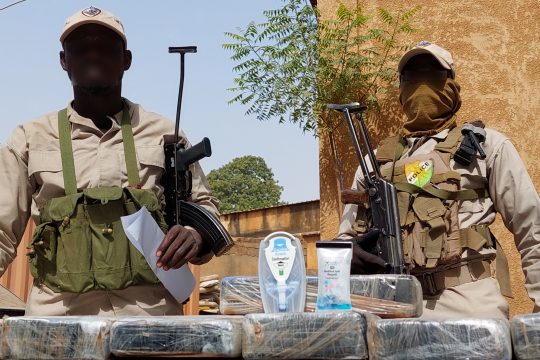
pixel 425 47
pixel 93 15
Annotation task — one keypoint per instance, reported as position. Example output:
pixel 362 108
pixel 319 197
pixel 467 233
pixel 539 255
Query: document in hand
pixel 145 234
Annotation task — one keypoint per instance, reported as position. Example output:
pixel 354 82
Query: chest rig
pixel 428 207
pixel 429 195
pixel 80 244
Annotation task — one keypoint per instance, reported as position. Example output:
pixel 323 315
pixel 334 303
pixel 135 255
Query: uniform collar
pixel 438 136
pixel 75 118
pixel 415 142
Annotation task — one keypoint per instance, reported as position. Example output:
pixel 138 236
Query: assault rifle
pixel 380 195
pixel 177 180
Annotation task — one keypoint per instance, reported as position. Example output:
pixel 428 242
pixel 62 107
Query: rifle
pixel 177 180
pixel 380 194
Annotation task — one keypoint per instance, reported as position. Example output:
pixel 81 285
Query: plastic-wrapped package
pixel 387 296
pixel 472 339
pixel 321 335
pixel 56 337
pixel 525 331
pixel 194 336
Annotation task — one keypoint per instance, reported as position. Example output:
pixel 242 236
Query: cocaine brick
pixel 320 335
pixel 56 337
pixel 203 336
pixel 525 330
pixel 396 339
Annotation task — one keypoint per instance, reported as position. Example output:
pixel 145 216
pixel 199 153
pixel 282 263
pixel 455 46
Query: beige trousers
pixel 479 299
pixel 140 300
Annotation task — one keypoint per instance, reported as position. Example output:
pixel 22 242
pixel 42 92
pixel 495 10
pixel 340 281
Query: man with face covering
pixel 77 170
pixel 446 204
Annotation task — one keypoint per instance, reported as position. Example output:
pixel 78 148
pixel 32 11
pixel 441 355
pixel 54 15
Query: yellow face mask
pixel 430 105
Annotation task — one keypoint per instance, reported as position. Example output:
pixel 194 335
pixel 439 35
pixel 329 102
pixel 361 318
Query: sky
pixel 33 83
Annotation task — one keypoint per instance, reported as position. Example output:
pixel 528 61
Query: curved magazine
pixel 207 225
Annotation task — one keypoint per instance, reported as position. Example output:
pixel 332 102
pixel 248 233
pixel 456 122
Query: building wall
pixel 495 47
pixel 248 228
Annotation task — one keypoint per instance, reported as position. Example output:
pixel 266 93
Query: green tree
pixel 245 183
pixel 290 66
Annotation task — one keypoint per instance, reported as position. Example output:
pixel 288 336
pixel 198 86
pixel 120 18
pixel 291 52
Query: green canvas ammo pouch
pixel 80 244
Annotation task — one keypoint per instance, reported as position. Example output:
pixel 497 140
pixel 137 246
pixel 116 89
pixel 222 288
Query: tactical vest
pixel 428 192
pixel 428 200
pixel 80 244
pixel 428 195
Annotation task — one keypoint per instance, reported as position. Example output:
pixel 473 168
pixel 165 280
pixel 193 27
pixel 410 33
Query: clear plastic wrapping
pixel 322 335
pixel 452 339
pixel 56 337
pixel 387 296
pixel 525 331
pixel 195 336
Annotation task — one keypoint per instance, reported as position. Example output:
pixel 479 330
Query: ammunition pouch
pixel 80 244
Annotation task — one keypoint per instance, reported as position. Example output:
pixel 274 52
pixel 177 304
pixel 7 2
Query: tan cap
pixel 425 47
pixel 93 15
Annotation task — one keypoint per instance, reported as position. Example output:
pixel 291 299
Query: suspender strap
pixel 66 151
pixel 129 149
pixel 390 149
pixel 468 194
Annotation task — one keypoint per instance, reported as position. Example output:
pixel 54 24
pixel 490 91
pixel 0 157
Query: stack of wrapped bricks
pixel 384 324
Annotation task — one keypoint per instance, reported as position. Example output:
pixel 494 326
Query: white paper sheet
pixel 145 234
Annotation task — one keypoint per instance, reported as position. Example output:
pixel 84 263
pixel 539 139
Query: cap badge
pixel 423 43
pixel 91 11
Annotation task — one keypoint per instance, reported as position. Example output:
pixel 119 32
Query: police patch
pixel 419 173
pixel 91 11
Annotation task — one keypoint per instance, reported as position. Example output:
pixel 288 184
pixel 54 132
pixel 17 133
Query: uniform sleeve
pixel 515 198
pixel 15 197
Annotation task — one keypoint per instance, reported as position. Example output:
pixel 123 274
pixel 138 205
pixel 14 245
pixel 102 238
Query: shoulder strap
pixel 450 145
pixel 390 149
pixel 129 149
pixel 452 141
pixel 66 151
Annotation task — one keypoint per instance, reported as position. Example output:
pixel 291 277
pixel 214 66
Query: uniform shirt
pixel 511 190
pixel 31 168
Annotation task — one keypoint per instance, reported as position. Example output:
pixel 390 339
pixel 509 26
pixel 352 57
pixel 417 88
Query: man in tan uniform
pixel 453 264
pixel 95 57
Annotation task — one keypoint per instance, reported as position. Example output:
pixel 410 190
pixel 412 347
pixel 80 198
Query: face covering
pixel 430 105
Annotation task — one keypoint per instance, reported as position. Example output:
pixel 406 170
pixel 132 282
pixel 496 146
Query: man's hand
pixel 178 247
pixel 363 261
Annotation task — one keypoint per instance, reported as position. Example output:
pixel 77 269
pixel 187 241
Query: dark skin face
pixel 95 59
pixel 423 66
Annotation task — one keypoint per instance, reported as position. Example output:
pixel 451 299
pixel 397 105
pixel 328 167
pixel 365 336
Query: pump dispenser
pixel 282 273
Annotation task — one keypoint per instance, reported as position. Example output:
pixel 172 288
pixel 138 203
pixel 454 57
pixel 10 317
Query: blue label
pixel 280 244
